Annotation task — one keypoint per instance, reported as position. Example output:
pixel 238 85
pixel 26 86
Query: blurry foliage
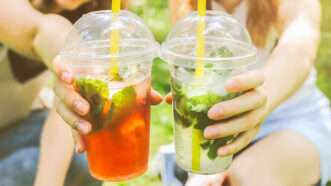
pixel 155 14
pixel 161 76
pixel 323 62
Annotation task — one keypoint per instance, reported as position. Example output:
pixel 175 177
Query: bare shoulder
pixel 18 24
pixel 292 10
pixel 10 9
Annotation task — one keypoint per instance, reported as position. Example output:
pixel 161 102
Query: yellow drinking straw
pixel 200 52
pixel 114 40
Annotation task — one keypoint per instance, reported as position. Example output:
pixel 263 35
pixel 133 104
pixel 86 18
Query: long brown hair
pixel 87 7
pixel 47 6
pixel 262 15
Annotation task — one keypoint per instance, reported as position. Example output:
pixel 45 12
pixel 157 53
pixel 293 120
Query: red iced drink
pixel 114 77
pixel 118 146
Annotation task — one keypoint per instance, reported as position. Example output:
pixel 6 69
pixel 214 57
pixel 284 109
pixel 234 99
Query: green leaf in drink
pixel 96 92
pixel 209 65
pixel 122 102
pixel 221 52
pixel 215 144
pixel 203 102
pixel 124 97
pixel 192 112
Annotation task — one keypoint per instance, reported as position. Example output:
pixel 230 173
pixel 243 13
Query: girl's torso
pixel 16 97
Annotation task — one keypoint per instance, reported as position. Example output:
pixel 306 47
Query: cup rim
pixel 166 52
pixel 94 49
pixel 149 48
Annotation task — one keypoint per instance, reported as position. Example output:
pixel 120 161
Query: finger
pixel 198 180
pixel 156 97
pixel 73 120
pixel 244 82
pixel 79 142
pixel 234 126
pixel 244 103
pixel 216 180
pixel 168 98
pixel 66 76
pixel 63 73
pixel 238 144
pixel 71 98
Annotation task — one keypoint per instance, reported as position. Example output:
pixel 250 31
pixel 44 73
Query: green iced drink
pixel 228 52
pixel 190 107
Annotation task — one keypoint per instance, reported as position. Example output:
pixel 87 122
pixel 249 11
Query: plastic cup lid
pixel 222 33
pixel 89 40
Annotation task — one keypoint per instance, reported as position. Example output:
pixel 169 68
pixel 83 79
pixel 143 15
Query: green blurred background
pixel 156 15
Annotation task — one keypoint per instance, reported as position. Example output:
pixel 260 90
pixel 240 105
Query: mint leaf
pixel 203 103
pixel 181 113
pixel 124 97
pixel 209 65
pixel 213 147
pixel 123 102
pixel 117 77
pixel 182 119
pixel 221 52
pixel 205 145
pixel 192 112
pixel 96 92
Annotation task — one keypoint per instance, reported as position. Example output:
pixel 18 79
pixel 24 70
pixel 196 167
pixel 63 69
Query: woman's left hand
pixel 242 115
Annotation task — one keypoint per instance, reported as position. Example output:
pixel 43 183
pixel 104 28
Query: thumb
pixel 218 180
pixel 206 180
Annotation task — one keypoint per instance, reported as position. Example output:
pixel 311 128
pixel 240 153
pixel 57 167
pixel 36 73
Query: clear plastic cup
pixel 118 146
pixel 228 52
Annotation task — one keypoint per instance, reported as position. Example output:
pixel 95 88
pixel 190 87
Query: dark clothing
pixel 19 152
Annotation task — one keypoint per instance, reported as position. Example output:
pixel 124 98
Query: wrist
pixel 50 37
pixel 269 105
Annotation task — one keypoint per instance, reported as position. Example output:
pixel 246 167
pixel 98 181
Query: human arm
pixel 56 151
pixel 30 33
pixel 284 73
pixel 33 34
pixel 39 36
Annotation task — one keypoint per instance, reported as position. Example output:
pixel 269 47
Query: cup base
pixel 120 178
pixel 203 172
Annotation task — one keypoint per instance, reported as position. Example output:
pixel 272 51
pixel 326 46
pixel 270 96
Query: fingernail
pixel 210 132
pixel 66 77
pixel 215 113
pixel 83 126
pixel 78 149
pixel 223 151
pixel 231 85
pixel 80 107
